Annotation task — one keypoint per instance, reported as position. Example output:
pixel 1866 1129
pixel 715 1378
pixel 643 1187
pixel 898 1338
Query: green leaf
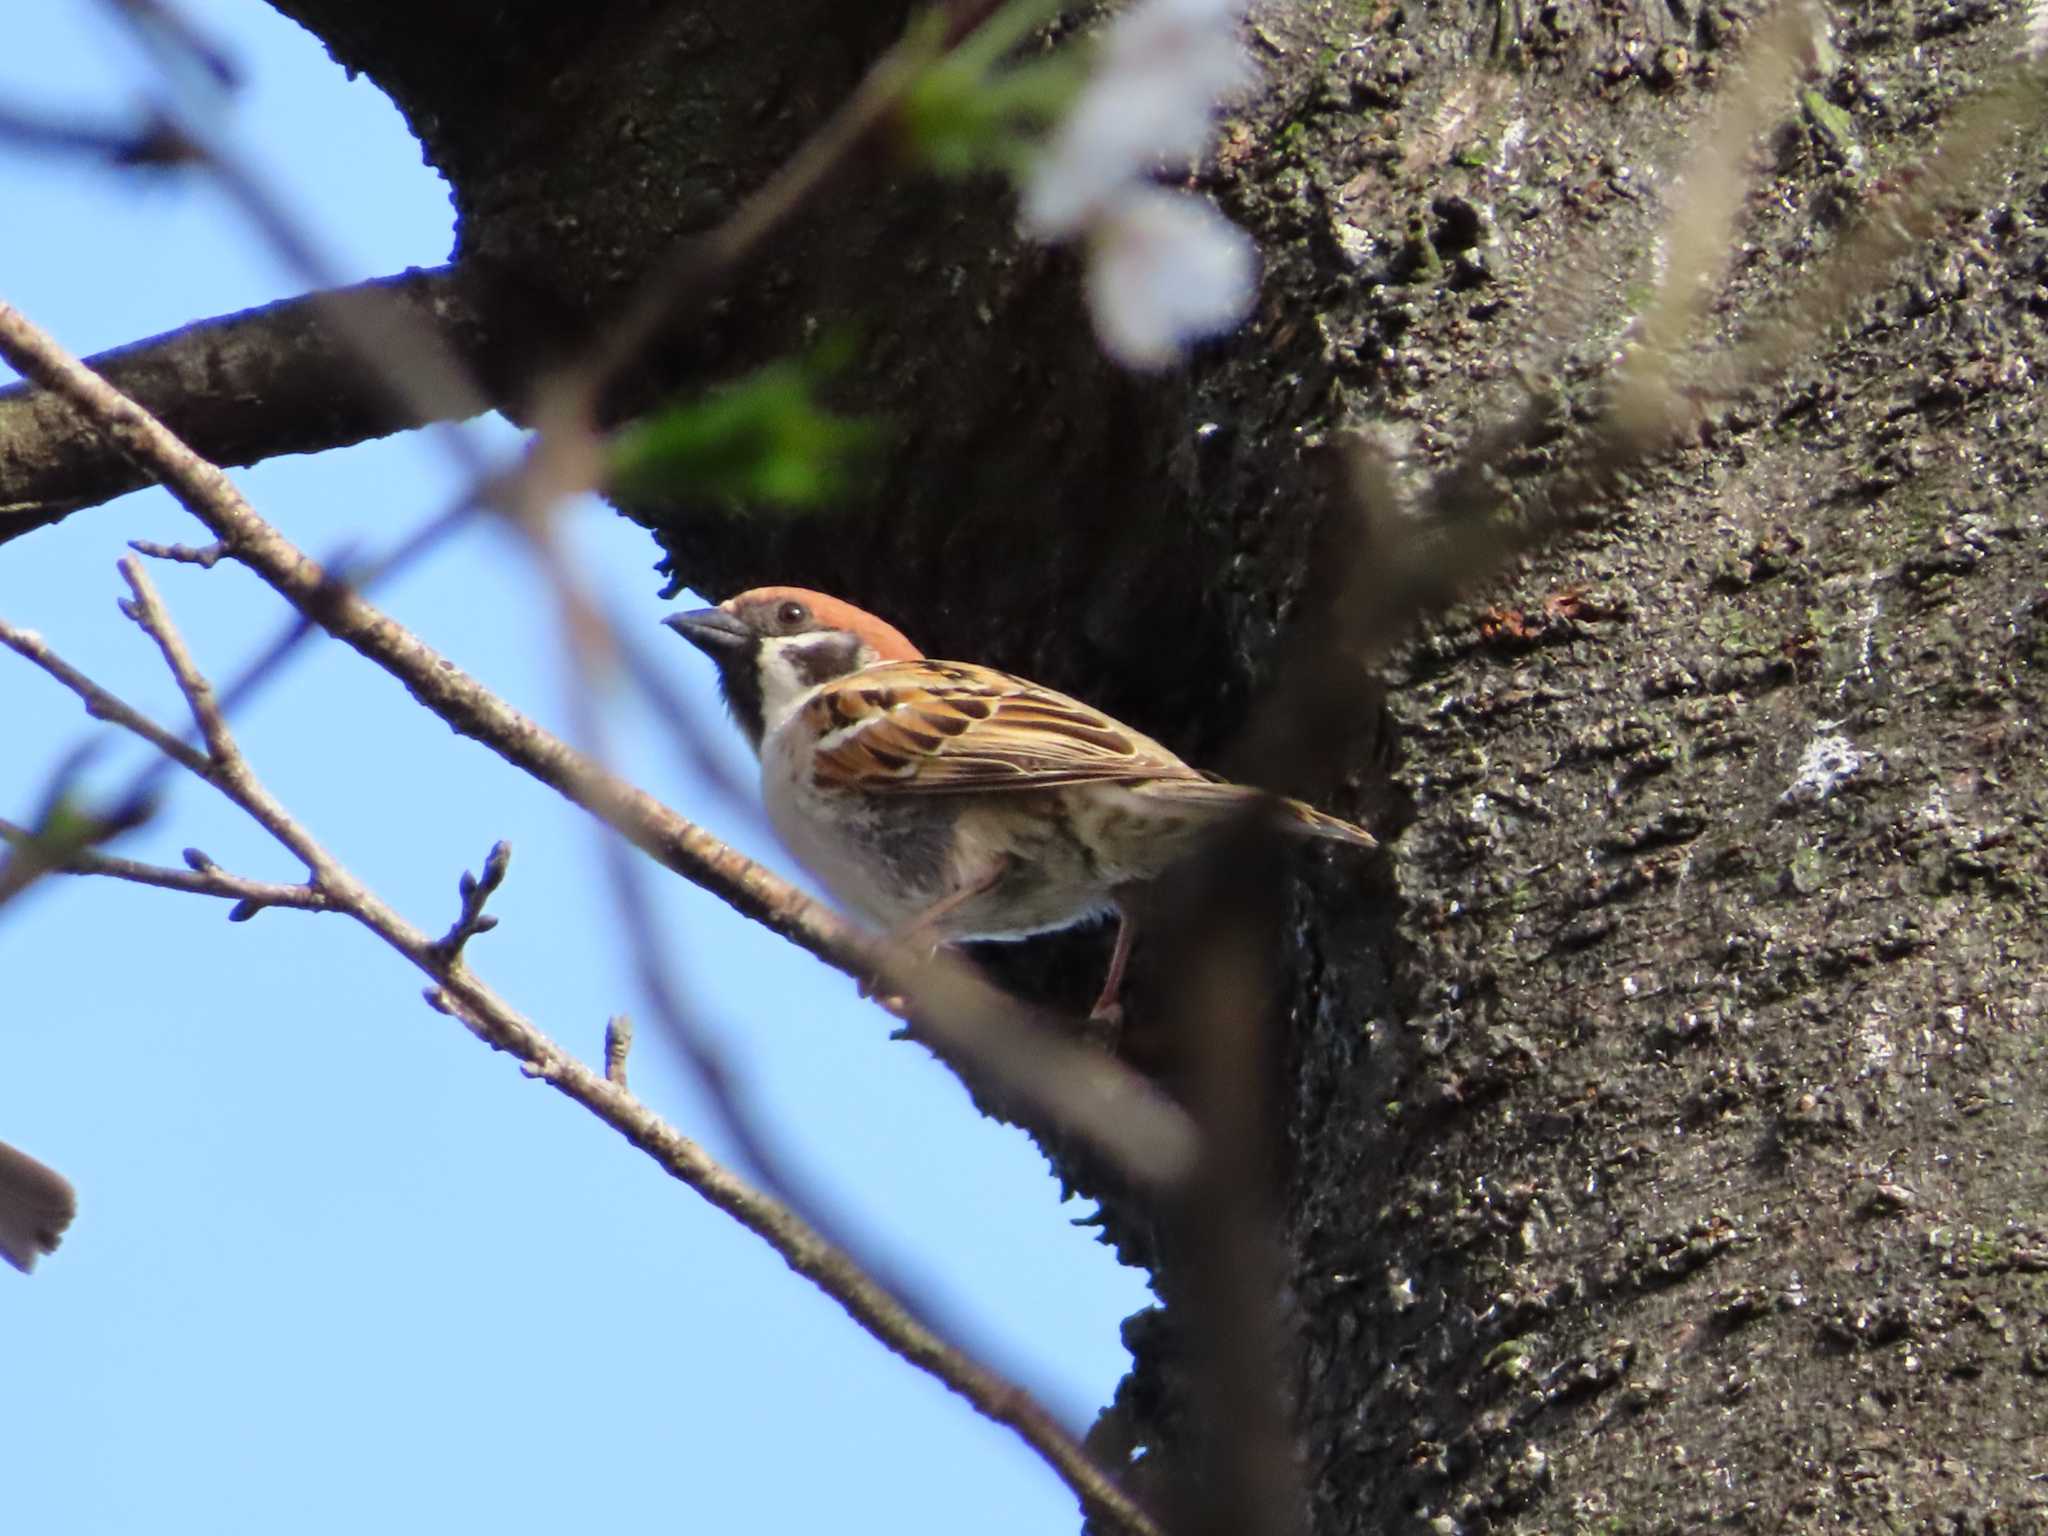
pixel 64 831
pixel 965 111
pixel 960 121
pixel 762 439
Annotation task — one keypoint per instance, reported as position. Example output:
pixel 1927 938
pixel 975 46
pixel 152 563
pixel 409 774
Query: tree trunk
pixel 1662 1118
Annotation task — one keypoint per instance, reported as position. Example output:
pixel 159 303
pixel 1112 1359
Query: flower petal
pixel 1165 269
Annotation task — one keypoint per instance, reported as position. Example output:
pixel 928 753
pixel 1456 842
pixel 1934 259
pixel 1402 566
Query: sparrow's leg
pixel 1107 1009
pixel 922 930
pixel 925 926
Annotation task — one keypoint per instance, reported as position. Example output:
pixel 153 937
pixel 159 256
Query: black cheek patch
pixel 829 656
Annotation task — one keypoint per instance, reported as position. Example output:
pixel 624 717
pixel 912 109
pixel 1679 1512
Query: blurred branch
pixel 130 146
pixel 459 993
pixel 1221 925
pixel 591 644
pixel 283 378
pixel 567 412
pixel 166 32
pixel 343 364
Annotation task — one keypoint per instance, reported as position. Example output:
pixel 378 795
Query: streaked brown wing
pixel 939 728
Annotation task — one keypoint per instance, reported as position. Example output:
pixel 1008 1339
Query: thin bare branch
pixel 147 610
pixel 696 264
pixel 132 806
pixel 415 368
pixel 61 835
pixel 207 880
pixel 99 703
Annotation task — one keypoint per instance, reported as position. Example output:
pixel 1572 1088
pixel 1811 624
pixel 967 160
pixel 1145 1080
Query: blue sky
pixel 335 1263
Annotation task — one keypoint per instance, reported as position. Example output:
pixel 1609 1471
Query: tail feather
pixel 1294 816
pixel 1307 821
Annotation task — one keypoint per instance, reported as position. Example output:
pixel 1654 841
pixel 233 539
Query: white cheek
pixel 777 700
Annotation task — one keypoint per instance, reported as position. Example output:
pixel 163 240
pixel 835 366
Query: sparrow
pixel 942 800
pixel 36 1205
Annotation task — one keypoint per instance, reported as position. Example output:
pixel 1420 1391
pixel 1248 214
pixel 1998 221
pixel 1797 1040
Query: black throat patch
pixel 739 679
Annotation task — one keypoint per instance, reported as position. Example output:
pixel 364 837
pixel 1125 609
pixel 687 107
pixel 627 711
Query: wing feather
pixel 926 728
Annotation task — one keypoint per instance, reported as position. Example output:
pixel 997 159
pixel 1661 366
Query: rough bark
pixel 1661 1119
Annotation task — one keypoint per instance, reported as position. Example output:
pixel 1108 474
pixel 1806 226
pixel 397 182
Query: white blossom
pixel 1150 102
pixel 1166 269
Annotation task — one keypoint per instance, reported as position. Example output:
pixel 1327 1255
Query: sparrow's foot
pixel 1105 1026
pixel 888 1002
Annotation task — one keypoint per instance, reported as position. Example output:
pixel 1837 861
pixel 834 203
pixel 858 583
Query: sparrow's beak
pixel 712 630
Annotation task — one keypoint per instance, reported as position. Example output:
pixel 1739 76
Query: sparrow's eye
pixel 790 615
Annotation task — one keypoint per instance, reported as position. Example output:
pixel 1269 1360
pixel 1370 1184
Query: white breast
pixel 829 835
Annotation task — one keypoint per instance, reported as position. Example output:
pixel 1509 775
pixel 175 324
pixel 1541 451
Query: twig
pixel 590 644
pixel 99 703
pixel 1399 570
pixel 475 891
pixel 673 711
pixel 1227 1277
pixel 1697 242
pixel 202 879
pixel 458 992
pixel 1903 215
pixel 132 806
pixel 205 556
pixel 363 576
pixel 618 1044
pixel 981 1032
pixel 147 610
